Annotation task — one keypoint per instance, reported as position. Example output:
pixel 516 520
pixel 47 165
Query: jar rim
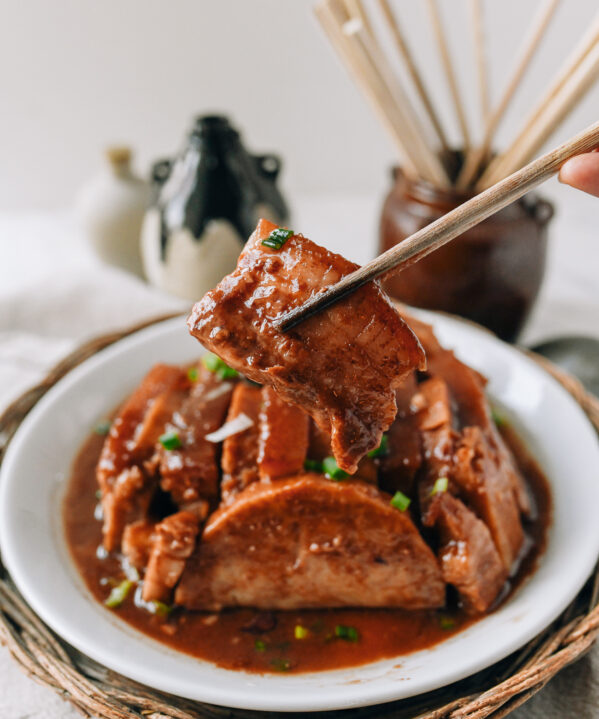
pixel 536 206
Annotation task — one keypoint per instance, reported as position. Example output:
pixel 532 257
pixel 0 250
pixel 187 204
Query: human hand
pixel 582 172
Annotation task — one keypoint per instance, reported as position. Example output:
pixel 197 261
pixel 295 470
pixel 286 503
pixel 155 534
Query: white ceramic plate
pixel 37 465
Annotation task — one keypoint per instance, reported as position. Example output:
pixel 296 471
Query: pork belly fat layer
pixel 308 542
pixel 342 366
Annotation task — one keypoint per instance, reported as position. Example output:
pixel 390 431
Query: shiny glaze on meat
pixel 342 367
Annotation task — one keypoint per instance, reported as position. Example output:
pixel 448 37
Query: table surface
pixel 54 295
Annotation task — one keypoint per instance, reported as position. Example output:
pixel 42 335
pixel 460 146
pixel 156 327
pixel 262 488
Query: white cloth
pixel 54 295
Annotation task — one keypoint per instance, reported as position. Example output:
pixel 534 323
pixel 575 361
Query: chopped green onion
pixel 277 238
pixel 170 440
pixel 498 418
pixel 221 369
pixel 281 665
pixel 332 469
pixel 192 374
pixel 103 427
pixel 439 486
pixel 312 465
pixel 160 609
pixel 98 494
pixel 259 645
pixel 118 594
pixel 446 622
pixel 382 449
pixel 350 634
pixel 400 501
pixel 300 632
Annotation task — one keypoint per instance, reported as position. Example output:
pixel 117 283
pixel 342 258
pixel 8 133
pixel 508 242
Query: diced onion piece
pixel 219 390
pixel 235 426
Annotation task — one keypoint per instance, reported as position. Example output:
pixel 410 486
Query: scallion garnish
pixel 160 609
pixel 446 622
pixel 300 632
pixel 400 501
pixel 439 486
pixel 382 449
pixel 281 665
pixel 98 494
pixel 277 238
pixel 192 374
pixel 103 427
pixel 170 440
pixel 350 634
pixel 221 369
pixel 259 645
pixel 498 418
pixel 118 594
pixel 332 469
pixel 312 465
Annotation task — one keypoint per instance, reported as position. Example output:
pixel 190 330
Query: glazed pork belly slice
pixel 173 541
pixel 307 542
pixel 190 471
pixel 137 541
pixel 480 474
pixel 284 436
pixel 467 389
pixel 126 487
pixel 342 366
pixel 473 470
pixel 469 559
pixel 239 460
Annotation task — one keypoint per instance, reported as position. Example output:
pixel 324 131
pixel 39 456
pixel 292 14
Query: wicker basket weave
pixel 99 692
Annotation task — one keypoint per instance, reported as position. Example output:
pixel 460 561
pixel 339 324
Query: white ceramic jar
pixel 111 209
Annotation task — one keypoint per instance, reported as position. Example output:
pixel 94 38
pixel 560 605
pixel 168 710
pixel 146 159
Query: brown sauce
pixel 233 639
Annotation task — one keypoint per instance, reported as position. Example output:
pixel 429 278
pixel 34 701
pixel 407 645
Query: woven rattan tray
pixel 98 692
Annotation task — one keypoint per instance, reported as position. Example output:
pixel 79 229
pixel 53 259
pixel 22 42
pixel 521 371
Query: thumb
pixel 582 172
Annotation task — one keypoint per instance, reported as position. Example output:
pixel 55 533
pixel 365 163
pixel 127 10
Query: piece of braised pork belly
pixel 240 450
pixel 126 487
pixel 480 529
pixel 467 388
pixel 469 560
pixel 306 542
pixel 284 436
pixel 342 366
pixel 173 541
pixel 190 472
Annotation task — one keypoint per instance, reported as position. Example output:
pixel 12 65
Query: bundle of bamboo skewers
pixel 423 146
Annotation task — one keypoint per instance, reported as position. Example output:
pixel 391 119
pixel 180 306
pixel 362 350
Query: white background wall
pixel 76 75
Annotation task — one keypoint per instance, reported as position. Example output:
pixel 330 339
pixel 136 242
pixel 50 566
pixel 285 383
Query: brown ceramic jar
pixel 491 274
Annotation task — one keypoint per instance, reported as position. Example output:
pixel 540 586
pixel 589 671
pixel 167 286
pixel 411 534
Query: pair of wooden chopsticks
pixel 449 226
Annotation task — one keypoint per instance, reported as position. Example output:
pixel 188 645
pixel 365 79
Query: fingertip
pixel 582 172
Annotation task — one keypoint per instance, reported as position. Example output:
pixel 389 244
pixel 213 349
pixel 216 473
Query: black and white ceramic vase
pixel 206 204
